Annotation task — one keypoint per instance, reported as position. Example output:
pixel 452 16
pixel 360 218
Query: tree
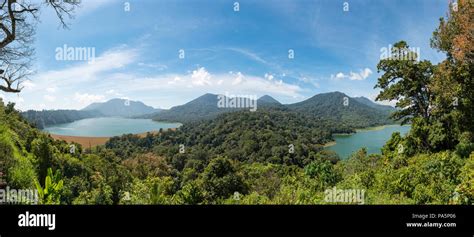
pixel 220 180
pixel 323 172
pixel 190 194
pixel 406 80
pixel 42 151
pixel 455 85
pixel 17 24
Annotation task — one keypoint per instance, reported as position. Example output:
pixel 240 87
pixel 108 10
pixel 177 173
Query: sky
pixel 168 52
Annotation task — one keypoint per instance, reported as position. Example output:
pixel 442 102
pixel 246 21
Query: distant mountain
pixel 343 109
pixel 121 108
pixel 42 119
pixel 206 107
pixel 203 107
pixel 372 104
pixel 268 101
pixel 359 112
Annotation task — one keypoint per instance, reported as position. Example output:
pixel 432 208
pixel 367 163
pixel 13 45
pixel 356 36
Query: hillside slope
pixel 342 109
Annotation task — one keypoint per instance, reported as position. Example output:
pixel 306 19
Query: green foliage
pixel 465 189
pixel 358 113
pixel 465 146
pixel 323 172
pixel 190 193
pixel 100 193
pixel 41 148
pixel 53 184
pixel 152 190
pixel 220 180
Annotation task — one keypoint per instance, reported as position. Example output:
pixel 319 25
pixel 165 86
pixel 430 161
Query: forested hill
pixel 45 118
pixel 262 136
pixel 268 101
pixel 329 106
pixel 343 110
pixel 203 107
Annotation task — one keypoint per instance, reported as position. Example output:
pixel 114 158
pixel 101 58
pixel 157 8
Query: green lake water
pixel 107 127
pixel 373 139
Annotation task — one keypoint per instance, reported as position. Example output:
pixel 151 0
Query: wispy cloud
pixel 86 99
pixel 84 71
pixel 191 85
pixel 250 55
pixel 361 75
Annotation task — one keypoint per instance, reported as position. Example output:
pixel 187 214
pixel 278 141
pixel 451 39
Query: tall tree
pixel 406 80
pixel 454 83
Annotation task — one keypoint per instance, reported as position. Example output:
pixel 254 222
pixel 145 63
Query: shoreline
pixel 328 144
pixel 377 127
pixel 89 142
pixel 368 129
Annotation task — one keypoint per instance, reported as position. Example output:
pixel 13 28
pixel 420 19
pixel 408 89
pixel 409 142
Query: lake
pixel 108 127
pixel 372 138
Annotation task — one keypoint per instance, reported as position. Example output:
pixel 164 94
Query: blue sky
pixel 241 52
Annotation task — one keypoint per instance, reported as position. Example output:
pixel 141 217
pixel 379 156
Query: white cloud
pixel 86 99
pixel 237 79
pixel 113 92
pixel 84 71
pixel 201 77
pixel 362 75
pixel 175 80
pixel 28 85
pixel 310 80
pixel 49 98
pixel 51 89
pixel 157 66
pixel 249 54
pixel 200 81
pixel 268 76
pixel 19 100
pixel 105 78
pixel 383 102
pixel 340 75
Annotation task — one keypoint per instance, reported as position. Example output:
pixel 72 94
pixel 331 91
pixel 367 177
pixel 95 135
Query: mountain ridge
pixel 360 111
